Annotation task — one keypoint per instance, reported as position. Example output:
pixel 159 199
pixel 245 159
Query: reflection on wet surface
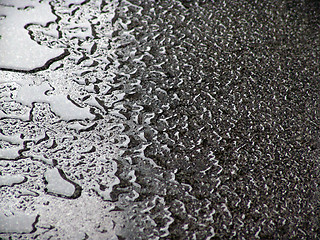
pixel 17 223
pixel 16 44
pixel 159 119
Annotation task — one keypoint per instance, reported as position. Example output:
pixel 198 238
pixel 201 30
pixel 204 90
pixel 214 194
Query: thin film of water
pixel 61 131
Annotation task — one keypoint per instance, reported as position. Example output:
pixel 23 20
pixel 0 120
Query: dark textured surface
pixel 234 86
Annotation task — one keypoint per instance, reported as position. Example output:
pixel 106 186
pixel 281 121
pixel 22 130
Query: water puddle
pixel 59 185
pixel 18 50
pixel 17 223
pixel 61 131
pixel 10 180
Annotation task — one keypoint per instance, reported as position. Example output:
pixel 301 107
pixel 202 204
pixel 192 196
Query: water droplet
pixel 10 180
pixel 59 185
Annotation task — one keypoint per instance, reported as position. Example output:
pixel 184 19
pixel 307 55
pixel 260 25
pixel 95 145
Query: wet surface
pixel 159 119
pixel 16 44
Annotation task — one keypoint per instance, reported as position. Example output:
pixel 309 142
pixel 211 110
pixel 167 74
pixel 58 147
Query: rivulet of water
pixel 139 119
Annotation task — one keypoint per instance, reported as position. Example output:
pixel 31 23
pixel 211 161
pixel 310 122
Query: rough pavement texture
pixel 234 86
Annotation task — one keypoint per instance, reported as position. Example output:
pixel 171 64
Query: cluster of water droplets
pixel 61 130
pixel 211 114
pixel 171 120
